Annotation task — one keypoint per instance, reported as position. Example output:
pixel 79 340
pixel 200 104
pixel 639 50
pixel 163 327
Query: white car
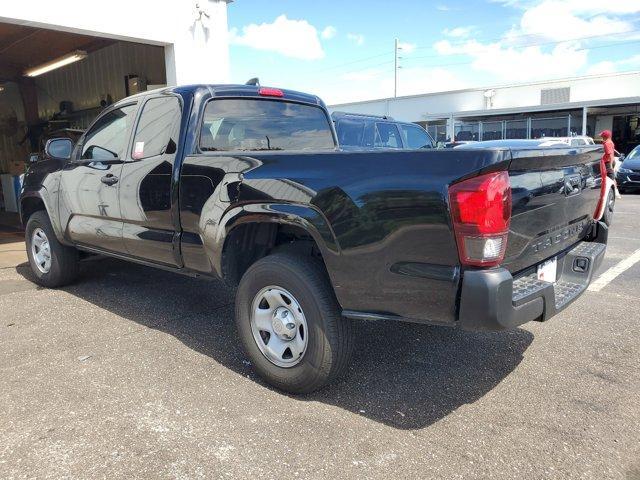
pixel 577 141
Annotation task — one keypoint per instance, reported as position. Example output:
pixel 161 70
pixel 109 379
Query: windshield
pixel 635 153
pixel 256 124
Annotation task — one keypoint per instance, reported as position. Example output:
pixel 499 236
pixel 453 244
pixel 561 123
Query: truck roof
pixel 230 90
pixel 337 115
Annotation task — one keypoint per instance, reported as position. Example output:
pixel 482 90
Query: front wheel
pixel 53 264
pixel 290 323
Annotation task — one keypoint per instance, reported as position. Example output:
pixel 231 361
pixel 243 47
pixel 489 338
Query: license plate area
pixel 548 271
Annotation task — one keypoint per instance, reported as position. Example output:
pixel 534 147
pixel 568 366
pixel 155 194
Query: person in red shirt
pixel 609 159
pixel 609 149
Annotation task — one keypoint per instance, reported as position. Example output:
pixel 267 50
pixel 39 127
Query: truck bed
pixel 388 242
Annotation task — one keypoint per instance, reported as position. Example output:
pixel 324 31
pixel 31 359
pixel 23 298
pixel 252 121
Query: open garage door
pixel 53 80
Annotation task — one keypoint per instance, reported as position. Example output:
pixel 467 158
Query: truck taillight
pixel 481 211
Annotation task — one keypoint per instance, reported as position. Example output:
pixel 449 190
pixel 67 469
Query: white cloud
pixel 609 66
pixel 458 32
pixel 559 20
pixel 590 7
pixel 508 63
pixel 406 48
pixel 443 8
pixel 549 40
pixel 356 38
pixel 601 67
pixel 291 38
pixel 329 32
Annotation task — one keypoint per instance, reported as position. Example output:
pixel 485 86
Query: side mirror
pixel 622 157
pixel 59 148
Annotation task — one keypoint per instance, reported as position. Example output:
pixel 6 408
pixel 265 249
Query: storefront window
pixel 549 127
pixel 516 129
pixel 438 132
pixel 492 131
pixel 467 131
pixel 576 125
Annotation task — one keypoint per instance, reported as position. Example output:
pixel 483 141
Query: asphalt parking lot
pixel 134 372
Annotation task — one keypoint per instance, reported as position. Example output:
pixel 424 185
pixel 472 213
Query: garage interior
pixel 85 75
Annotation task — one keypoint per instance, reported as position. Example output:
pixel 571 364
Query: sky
pixel 343 50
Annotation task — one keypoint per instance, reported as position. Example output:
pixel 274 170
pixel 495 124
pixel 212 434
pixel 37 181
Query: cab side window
pixel 387 136
pixel 415 137
pixel 350 132
pixel 369 136
pixel 158 128
pixel 107 138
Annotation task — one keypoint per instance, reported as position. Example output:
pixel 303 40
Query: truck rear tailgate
pixel 555 193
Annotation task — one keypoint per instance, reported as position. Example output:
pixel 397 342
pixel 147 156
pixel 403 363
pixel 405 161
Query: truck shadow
pixel 402 375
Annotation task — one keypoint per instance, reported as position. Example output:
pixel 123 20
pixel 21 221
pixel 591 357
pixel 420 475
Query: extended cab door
pixel 145 186
pixel 89 205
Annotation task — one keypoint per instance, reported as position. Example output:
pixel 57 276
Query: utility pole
pixel 395 68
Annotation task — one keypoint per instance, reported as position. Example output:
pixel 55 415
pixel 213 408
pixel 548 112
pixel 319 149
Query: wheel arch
pixel 254 231
pixel 29 204
pixel 32 201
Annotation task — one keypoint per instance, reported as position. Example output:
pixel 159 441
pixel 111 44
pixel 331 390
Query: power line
pixel 609 45
pixel 365 59
pixel 495 39
pixel 348 63
pixel 452 64
pixel 540 44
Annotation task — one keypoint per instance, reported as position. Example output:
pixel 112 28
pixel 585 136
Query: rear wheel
pixel 609 207
pixel 290 323
pixel 52 263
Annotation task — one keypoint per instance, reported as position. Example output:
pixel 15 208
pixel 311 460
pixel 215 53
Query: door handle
pixel 109 179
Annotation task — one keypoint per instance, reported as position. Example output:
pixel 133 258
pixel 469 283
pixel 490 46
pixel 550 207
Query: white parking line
pixel 614 271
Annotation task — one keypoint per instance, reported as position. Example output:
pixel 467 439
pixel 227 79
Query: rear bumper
pixel 493 300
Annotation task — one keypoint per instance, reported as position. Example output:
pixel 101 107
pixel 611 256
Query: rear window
pixel 256 125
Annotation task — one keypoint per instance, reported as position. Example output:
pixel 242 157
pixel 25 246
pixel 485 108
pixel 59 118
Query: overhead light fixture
pixel 1 87
pixel 56 63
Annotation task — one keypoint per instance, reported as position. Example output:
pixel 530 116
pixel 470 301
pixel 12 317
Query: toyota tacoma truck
pixel 248 184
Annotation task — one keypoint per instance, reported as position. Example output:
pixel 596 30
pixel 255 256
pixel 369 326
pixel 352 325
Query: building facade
pixel 573 106
pixel 63 62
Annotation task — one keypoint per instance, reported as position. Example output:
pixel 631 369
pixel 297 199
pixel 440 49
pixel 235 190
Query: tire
pixel 328 336
pixel 63 261
pixel 609 207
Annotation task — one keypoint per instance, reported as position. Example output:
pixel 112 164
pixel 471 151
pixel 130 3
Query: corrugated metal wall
pixel 101 74
pixel 84 83
pixel 12 126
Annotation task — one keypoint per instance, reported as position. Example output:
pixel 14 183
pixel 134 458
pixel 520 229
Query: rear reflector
pixel 271 92
pixel 481 212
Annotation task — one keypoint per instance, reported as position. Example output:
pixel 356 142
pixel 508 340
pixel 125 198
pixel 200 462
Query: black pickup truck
pixel 247 184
